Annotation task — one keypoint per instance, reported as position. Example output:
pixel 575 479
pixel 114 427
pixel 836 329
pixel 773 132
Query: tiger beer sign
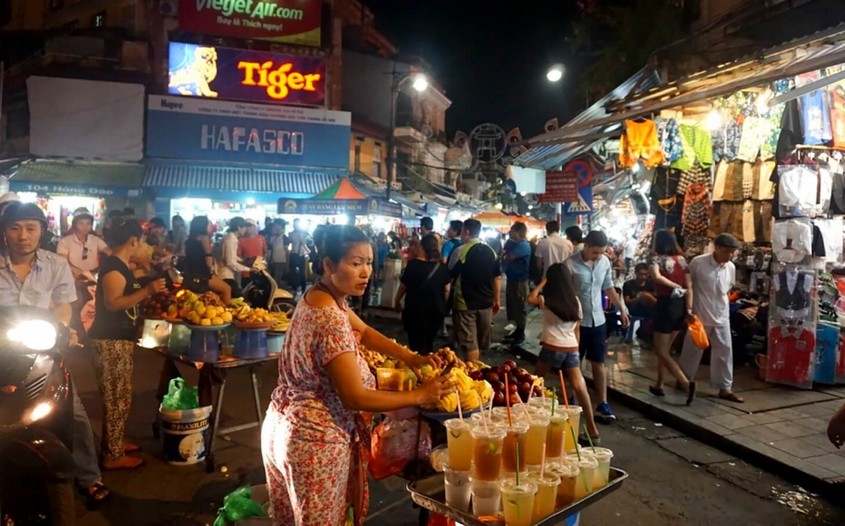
pixel 260 76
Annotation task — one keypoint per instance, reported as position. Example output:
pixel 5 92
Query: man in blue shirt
pixel 454 241
pixel 517 258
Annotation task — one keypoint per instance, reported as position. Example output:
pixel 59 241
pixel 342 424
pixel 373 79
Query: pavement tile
pixel 763 418
pixel 830 462
pixel 777 398
pixel 730 421
pixel 821 410
pixel 820 440
pixel 789 414
pixel 694 451
pixel 705 407
pixel 799 448
pixel 763 434
pixel 791 429
pixel 816 424
pixel 783 457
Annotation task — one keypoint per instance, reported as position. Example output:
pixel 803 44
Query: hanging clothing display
pixel 815 117
pixel 763 188
pixel 792 240
pixel 804 191
pixel 727 218
pixel 748 222
pixel 791 355
pixel 827 351
pixel 837 114
pixel 695 175
pixel 793 290
pixel 755 132
pixel 836 165
pixel 669 135
pixel 830 232
pixel 726 141
pixel 791 131
pixel 698 146
pixel 763 221
pixel 640 141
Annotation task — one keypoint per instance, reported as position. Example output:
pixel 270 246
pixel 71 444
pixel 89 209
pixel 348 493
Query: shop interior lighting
pixel 499 206
pixel 250 201
pixel 763 100
pixel 714 120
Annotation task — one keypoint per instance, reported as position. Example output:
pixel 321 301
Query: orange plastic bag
pixel 697 332
pixel 394 443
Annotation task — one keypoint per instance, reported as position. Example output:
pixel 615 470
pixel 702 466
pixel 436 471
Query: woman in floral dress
pixel 315 438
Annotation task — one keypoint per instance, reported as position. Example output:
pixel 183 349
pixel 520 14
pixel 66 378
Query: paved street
pixel 673 479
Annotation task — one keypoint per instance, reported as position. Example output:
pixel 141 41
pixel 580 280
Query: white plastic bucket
pixel 184 435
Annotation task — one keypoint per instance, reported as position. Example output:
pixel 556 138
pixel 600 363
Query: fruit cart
pixel 429 493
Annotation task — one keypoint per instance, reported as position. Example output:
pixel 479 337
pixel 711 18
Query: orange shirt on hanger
pixel 640 140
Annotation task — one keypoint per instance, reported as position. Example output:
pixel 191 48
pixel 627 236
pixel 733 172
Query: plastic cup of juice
pixel 602 477
pixel 459 442
pixel 536 439
pixel 487 452
pixel 556 435
pixel 458 488
pixel 541 402
pixel 574 422
pixel 516 434
pixel 518 501
pixel 568 474
pixel 588 467
pixel 486 498
pixel 546 498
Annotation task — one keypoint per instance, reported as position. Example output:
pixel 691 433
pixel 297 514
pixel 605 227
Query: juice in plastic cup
pixel 568 474
pixel 574 422
pixel 516 434
pixel 486 498
pixel 536 439
pixel 602 476
pixel 518 502
pixel 541 402
pixel 458 487
pixel 487 452
pixel 555 436
pixel 588 467
pixel 459 442
pixel 544 501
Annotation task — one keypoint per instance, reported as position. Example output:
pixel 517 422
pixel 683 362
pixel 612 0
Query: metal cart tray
pixel 430 494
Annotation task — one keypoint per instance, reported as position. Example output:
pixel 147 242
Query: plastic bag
pixel 395 443
pixel 179 396
pixel 238 506
pixel 697 333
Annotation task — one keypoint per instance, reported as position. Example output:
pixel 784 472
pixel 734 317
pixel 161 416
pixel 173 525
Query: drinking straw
pixel 542 462
pixel 575 441
pixel 483 421
pixel 563 388
pixel 508 401
pixel 554 390
pixel 589 438
pixel 460 413
pixel 516 454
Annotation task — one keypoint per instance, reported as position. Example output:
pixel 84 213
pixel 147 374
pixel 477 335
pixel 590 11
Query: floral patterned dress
pixel 314 448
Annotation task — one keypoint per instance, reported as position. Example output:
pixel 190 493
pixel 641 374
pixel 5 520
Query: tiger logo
pixel 194 79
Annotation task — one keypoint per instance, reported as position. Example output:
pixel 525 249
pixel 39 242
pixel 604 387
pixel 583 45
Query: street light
pixel 420 83
pixel 555 73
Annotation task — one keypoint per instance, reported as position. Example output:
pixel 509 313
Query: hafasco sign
pixel 217 72
pixel 290 21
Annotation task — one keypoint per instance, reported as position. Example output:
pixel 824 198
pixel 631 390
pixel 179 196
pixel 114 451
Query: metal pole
pixel 391 137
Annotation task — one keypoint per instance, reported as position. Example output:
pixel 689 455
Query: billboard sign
pixel 218 72
pixel 561 187
pixel 289 21
pixel 213 130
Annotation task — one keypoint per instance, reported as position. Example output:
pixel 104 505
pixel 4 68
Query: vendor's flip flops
pixel 732 397
pixel 95 494
pixel 129 447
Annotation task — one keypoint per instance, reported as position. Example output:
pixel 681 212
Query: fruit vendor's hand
pixel 156 286
pixel 432 391
pixel 416 362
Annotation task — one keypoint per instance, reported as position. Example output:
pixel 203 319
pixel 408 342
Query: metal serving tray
pixel 430 494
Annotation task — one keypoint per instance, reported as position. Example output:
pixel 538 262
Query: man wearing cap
pixel 712 277
pixel 35 277
pixel 80 246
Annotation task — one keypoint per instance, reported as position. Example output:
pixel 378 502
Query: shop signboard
pixel 561 187
pixel 289 21
pixel 243 74
pixel 213 130
pixel 357 207
pixel 584 175
pixel 54 189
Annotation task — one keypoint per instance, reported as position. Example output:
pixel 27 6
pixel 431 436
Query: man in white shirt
pixel 81 248
pixel 229 267
pixel 712 277
pixel 552 248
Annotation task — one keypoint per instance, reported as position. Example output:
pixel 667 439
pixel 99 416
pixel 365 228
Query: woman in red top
pixel 671 281
pixel 251 245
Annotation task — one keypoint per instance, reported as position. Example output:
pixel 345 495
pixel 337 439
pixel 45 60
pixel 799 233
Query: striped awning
pixel 274 180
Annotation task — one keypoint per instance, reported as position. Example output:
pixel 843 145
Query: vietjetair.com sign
pixel 240 74
pixel 290 21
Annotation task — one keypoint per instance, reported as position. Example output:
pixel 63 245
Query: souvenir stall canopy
pixel 753 148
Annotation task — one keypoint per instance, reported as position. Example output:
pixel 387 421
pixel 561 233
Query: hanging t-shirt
pixel 837 114
pixel 793 290
pixel 698 146
pixel 791 131
pixel 791 356
pixel 798 190
pixel 755 133
pixel 640 140
pixel 792 240
pixel 815 118
pixel 669 135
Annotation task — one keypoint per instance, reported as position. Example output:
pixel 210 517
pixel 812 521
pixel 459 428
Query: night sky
pixel 490 57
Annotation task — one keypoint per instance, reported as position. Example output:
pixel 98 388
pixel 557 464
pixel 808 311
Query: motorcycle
pixel 36 418
pixel 263 291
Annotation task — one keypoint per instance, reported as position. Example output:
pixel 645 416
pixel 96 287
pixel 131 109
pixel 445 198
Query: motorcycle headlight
pixel 36 335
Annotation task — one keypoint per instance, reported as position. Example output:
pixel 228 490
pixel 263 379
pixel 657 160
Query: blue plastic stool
pixel 252 344
pixel 205 346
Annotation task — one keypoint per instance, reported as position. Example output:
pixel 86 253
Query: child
pixel 561 316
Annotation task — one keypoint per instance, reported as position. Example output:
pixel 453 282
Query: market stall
pixel 503 449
